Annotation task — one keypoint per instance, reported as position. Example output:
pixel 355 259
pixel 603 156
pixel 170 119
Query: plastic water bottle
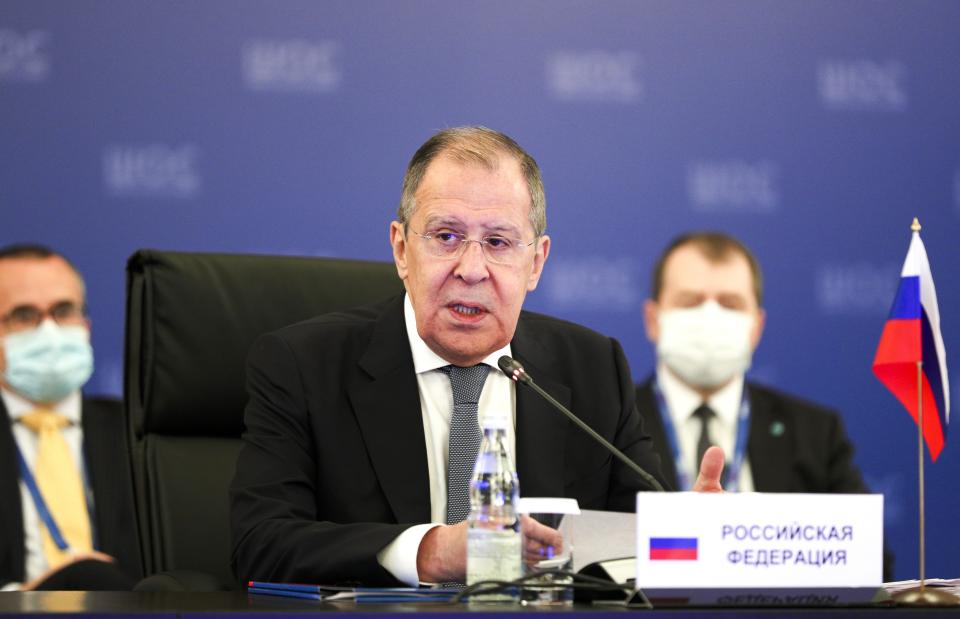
pixel 494 541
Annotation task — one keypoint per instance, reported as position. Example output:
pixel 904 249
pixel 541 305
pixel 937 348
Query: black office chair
pixel 191 318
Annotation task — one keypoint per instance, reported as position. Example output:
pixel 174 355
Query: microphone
pixel 512 368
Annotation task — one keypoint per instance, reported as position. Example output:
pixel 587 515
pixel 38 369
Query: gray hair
pixel 480 146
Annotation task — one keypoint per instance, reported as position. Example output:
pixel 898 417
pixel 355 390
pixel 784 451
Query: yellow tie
pixel 60 485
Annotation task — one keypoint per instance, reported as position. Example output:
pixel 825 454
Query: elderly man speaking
pixel 343 472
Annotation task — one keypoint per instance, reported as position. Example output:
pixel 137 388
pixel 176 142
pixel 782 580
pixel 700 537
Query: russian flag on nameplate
pixel 910 335
pixel 673 548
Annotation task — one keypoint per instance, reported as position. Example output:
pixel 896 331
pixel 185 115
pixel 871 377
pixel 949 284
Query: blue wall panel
pixel 814 130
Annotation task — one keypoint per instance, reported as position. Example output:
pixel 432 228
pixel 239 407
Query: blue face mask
pixel 48 363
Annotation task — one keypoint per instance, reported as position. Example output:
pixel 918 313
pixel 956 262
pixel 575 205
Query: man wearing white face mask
pixel 66 509
pixel 705 318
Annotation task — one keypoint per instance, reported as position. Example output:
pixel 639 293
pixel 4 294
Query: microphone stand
pixel 515 371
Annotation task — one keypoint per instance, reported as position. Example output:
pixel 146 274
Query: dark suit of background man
pixel 45 357
pixel 705 317
pixel 342 475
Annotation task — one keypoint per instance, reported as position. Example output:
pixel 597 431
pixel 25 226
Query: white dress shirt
pixel 436 406
pixel 17 407
pixel 725 403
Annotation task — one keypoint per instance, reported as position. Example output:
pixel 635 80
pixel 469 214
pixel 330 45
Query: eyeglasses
pixel 25 317
pixel 496 249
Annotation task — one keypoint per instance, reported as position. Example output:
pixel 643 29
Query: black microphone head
pixel 512 368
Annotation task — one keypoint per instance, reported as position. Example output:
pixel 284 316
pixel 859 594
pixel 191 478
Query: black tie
pixel 467 383
pixel 704 413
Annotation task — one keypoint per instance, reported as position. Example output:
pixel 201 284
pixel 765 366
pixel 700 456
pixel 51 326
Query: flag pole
pixel 921 596
pixel 923 528
pixel 915 227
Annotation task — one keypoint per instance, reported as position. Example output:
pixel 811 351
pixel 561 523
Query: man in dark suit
pixel 66 505
pixel 793 445
pixel 705 318
pixel 342 476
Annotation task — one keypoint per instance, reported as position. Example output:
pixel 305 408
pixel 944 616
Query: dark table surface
pixel 172 604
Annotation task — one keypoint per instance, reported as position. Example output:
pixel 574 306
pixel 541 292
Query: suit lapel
pixel 769 446
pixel 108 473
pixel 100 437
pixel 11 510
pixel 387 406
pixel 653 424
pixel 93 451
pixel 541 430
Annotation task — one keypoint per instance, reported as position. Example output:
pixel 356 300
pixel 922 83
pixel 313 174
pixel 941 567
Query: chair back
pixel 191 318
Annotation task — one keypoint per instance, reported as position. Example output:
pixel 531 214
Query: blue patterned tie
pixel 467 383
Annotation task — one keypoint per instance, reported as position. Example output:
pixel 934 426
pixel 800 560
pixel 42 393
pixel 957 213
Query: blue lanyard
pixel 44 512
pixel 732 467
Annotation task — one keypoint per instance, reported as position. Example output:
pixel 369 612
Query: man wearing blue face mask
pixel 66 509
pixel 705 318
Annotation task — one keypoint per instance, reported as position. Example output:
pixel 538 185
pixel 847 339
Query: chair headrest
pixel 192 317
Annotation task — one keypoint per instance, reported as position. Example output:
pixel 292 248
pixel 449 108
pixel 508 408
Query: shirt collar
pixel 424 359
pixel 682 400
pixel 18 406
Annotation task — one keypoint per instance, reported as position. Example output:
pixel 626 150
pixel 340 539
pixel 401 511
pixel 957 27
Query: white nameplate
pixel 730 540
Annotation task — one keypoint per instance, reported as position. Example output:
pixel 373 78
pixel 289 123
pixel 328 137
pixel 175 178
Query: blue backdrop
pixel 813 130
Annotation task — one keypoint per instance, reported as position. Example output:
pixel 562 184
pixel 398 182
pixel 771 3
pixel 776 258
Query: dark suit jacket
pixel 108 468
pixel 334 464
pixel 811 454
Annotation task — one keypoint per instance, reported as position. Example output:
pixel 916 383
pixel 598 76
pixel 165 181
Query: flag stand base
pixel 925 596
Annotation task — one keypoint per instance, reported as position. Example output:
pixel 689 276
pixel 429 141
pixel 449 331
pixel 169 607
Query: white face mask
pixel 48 363
pixel 706 345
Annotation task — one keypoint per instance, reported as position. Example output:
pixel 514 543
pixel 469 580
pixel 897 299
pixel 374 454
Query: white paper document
pixel 601 536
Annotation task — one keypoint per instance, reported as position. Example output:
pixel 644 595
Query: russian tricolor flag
pixel 673 549
pixel 912 334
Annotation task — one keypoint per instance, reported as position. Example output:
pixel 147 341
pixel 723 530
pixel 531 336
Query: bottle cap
pixel 495 420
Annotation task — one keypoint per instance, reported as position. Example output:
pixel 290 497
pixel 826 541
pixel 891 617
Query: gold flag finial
pixel 915 226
